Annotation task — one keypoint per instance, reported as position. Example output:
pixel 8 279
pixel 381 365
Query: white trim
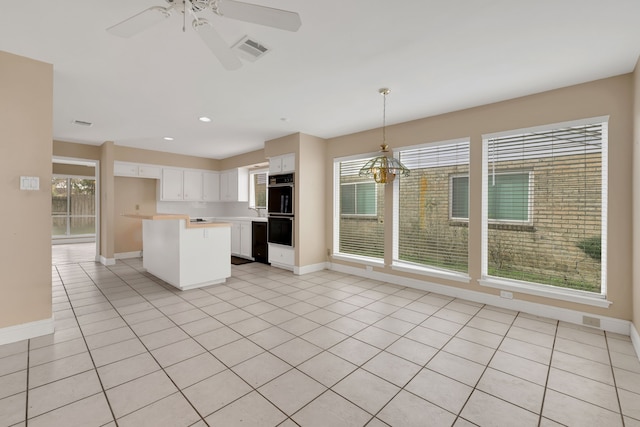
pixel 548 291
pixel 431 272
pixel 66 240
pixel 26 331
pixel 635 339
pixel 542 128
pixel 107 261
pixel 128 255
pixel 311 268
pixel 373 262
pixel 609 324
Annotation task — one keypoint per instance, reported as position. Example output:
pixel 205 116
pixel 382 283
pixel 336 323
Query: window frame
pixel 252 192
pixel 540 289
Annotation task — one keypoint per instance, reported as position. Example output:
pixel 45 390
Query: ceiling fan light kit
pixel 247 12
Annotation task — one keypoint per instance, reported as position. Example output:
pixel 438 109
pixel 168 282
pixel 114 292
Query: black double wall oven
pixel 280 209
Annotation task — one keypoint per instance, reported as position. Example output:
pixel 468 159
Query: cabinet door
pixel 224 186
pixel 289 163
pixel 124 169
pixel 210 187
pixel 246 239
pixel 236 230
pixel 149 172
pixel 171 184
pixel 192 185
pixel 275 165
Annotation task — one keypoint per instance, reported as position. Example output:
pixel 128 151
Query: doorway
pixel 75 209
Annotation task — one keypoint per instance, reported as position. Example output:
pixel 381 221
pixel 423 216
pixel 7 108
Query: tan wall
pixel 611 97
pixel 636 197
pixel 77 151
pixel 136 155
pixel 107 200
pixel 310 213
pixel 75 170
pixel 134 195
pixel 286 144
pixel 243 160
pixel 26 123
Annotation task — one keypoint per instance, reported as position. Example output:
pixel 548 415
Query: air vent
pixel 250 49
pixel 82 123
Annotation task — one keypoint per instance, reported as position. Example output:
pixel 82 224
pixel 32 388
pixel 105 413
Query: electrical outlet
pixel 506 294
pixel 328 252
pixel 369 268
pixel 137 207
pixel 591 321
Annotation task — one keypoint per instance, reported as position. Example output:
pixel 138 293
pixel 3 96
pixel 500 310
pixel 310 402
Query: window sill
pixel 431 272
pixel 547 291
pixel 375 262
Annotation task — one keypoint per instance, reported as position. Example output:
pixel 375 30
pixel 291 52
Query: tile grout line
pixel 84 339
pixel 546 381
pixel 613 375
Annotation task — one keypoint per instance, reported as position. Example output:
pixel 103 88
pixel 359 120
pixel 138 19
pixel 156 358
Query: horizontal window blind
pixel 543 206
pixel 361 212
pixel 427 233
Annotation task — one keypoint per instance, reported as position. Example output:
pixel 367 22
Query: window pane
pixel 509 197
pixel 348 199
pixel 59 196
pixel 559 240
pixel 366 198
pixel 426 234
pixel 59 226
pixel 460 197
pixel 258 190
pixel 361 223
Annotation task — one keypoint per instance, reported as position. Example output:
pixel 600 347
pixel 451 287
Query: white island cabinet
pixel 186 255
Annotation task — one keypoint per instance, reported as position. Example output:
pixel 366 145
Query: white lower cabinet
pixel 241 238
pixel 282 256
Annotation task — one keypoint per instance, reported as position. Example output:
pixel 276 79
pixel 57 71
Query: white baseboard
pixel 306 269
pixel 26 331
pixel 610 324
pixel 107 261
pixel 128 255
pixel 635 339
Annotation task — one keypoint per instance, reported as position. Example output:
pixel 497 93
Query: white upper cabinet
pixel 234 185
pixel 211 186
pixel 192 185
pixel 282 164
pixel 172 182
pixel 136 170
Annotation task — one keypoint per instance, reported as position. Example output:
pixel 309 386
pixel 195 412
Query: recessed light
pixel 168 138
pixel 204 119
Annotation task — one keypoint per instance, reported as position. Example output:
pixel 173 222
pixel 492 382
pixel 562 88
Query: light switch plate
pixel 30 183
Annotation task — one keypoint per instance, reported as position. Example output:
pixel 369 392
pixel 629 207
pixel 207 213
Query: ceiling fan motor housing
pixel 196 5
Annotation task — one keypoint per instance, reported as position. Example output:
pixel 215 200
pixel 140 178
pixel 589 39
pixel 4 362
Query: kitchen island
pixel 185 254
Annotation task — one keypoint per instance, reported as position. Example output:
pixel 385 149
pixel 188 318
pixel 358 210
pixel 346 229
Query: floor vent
pixel 250 49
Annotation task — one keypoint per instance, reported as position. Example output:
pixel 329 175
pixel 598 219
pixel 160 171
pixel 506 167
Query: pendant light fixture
pixel 385 167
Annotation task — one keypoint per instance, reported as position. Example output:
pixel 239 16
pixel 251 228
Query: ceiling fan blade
pixel 140 21
pixel 216 44
pixel 262 15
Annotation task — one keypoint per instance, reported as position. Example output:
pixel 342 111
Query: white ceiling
pixel 435 55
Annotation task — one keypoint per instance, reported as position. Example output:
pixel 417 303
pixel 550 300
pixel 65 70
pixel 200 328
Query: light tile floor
pixel 325 349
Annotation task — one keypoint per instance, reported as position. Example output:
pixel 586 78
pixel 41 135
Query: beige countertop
pixel 178 216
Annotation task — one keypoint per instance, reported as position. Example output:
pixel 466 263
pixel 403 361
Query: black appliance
pixel 260 249
pixel 280 230
pixel 280 192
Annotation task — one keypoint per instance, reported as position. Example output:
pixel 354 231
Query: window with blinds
pixel 544 214
pixel 433 207
pixel 258 189
pixel 360 212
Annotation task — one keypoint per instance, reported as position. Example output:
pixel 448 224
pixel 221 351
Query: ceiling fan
pixel 262 15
